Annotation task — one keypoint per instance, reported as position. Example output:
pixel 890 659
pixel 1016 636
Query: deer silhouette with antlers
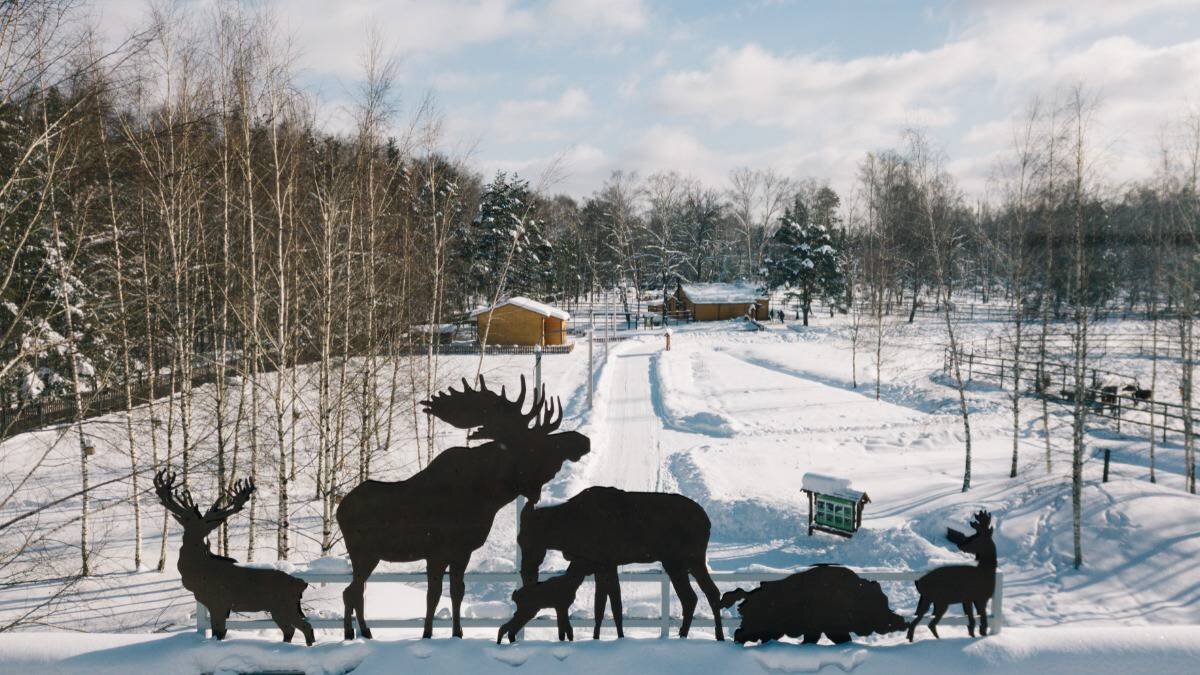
pixel 445 511
pixel 971 585
pixel 218 582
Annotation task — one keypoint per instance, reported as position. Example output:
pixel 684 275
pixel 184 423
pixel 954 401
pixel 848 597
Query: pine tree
pixel 506 244
pixel 803 259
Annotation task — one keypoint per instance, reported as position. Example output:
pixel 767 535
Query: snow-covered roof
pixel 531 305
pixel 829 485
pixel 712 294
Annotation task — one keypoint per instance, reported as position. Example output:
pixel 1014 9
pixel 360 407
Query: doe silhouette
pixel 218 582
pixel 445 511
pixel 970 585
pixel 605 527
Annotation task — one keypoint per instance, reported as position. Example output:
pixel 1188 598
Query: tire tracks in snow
pixel 629 453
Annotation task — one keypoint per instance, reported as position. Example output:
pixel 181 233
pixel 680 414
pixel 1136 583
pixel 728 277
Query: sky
pixel 702 87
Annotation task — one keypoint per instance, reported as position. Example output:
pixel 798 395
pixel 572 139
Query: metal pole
pixel 537 366
pixel 1107 454
pixel 591 364
pixel 607 323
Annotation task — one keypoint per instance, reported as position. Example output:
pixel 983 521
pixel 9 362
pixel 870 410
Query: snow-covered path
pixel 629 457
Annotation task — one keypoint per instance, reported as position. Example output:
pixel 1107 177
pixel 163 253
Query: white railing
pixel 664 622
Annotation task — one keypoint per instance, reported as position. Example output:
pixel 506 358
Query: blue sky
pixel 702 87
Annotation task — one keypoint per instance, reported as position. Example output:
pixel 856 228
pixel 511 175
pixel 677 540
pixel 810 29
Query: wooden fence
pixel 981 312
pixel 1054 382
pixel 664 622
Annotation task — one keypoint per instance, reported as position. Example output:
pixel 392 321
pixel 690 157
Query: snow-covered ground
pixel 1015 652
pixel 732 418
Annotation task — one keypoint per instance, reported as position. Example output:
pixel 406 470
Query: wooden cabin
pixel 521 321
pixel 717 302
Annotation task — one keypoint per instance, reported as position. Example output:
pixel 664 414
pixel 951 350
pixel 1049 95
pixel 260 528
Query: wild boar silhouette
pixel 828 599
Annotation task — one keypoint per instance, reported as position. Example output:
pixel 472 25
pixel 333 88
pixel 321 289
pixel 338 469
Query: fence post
pixel 1119 397
pixel 998 604
pixel 664 630
pixel 1164 423
pixel 970 365
pixel 202 620
pixel 1107 455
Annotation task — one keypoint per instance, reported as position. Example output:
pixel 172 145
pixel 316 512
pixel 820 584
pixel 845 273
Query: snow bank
pixel 674 393
pixel 734 520
pixel 1016 650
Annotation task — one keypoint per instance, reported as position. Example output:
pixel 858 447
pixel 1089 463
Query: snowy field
pixel 733 419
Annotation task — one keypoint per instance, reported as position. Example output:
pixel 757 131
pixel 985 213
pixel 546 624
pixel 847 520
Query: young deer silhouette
pixel 966 584
pixel 557 593
pixel 605 527
pixel 218 582
pixel 445 511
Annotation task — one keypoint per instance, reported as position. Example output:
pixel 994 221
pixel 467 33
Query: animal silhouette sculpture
pixel 972 586
pixel 557 593
pixel 445 511
pixel 605 527
pixel 827 599
pixel 218 582
pixel 1108 396
pixel 1139 395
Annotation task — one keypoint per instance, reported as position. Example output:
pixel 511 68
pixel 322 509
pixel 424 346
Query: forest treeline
pixel 174 205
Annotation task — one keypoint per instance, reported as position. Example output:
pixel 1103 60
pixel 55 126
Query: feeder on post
pixel 833 506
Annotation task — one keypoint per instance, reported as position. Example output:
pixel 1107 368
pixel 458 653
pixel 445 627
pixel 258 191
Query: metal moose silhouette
pixel 827 599
pixel 604 527
pixel 218 582
pixel 445 511
pixel 965 584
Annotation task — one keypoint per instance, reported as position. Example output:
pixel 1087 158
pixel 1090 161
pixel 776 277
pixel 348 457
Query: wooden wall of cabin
pixel 510 325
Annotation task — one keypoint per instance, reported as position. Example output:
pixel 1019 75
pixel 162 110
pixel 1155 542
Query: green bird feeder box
pixel 833 506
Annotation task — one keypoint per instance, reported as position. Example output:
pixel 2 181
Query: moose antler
pixel 492 414
pixel 233 501
pixel 981 521
pixel 177 500
pixel 545 422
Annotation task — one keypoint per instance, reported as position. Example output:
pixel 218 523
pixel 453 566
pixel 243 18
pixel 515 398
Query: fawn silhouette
pixel 965 584
pixel 218 582
pixel 605 527
pixel 445 511
pixel 557 593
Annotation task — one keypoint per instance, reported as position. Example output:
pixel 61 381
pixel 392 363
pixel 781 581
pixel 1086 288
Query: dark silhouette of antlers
pixel 981 521
pixel 178 500
pixel 492 414
pixel 233 501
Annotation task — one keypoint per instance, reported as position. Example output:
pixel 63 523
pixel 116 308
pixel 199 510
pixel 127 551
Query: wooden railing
pixel 664 622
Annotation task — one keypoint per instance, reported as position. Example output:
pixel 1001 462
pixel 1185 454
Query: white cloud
pixel 577 170
pixel 827 112
pixel 623 15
